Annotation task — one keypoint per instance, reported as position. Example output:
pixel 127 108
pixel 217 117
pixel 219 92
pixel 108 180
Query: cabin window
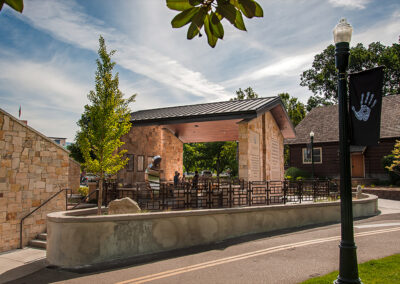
pixel 140 163
pixel 149 160
pixel 129 167
pixel 317 155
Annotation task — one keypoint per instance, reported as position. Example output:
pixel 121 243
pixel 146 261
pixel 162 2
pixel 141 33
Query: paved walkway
pixel 387 206
pixel 19 263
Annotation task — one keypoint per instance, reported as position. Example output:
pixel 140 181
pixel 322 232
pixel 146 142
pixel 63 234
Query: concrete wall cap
pixel 88 215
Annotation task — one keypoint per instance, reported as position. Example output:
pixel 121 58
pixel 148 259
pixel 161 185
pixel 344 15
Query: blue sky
pixel 48 53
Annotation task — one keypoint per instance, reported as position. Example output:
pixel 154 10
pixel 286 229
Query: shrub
pixel 83 190
pixel 386 162
pixel 293 173
pixel 383 182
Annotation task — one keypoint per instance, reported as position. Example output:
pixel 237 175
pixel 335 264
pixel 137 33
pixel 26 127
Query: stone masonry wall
pixel 32 168
pixel 261 148
pixel 147 142
pixel 74 175
pixel 172 155
pixel 140 141
pixel 274 147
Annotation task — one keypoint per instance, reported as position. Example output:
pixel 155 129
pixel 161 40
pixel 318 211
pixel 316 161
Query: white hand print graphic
pixel 365 107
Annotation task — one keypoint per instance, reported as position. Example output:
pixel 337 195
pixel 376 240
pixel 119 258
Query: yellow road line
pixel 203 265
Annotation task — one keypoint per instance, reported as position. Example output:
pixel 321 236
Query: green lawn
pixel 383 271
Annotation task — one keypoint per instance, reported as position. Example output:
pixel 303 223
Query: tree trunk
pixel 100 196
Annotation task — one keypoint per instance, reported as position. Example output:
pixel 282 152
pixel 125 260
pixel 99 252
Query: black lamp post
pixel 348 269
pixel 312 153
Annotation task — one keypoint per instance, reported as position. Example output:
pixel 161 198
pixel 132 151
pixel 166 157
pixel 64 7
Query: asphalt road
pixel 282 257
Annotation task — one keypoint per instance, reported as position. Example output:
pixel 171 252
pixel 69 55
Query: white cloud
pixel 63 21
pixel 291 66
pixel 52 87
pixel 386 32
pixel 351 4
pixel 51 99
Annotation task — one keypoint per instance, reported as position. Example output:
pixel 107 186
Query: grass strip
pixel 383 271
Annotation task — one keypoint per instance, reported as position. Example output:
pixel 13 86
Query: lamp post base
pixel 346 281
pixel 348 268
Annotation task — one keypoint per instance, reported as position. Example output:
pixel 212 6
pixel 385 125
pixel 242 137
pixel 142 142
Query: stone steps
pixel 42 237
pixel 81 206
pixel 38 243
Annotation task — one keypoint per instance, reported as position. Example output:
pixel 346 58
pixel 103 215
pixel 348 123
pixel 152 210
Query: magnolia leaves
pixel 209 14
pixel 17 5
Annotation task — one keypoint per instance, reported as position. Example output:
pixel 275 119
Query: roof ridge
pixel 204 104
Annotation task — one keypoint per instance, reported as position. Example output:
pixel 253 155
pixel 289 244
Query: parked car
pixel 89 177
pixel 224 175
pixel 206 174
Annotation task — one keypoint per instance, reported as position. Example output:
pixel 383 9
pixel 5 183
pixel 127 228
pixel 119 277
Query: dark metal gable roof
pixel 203 112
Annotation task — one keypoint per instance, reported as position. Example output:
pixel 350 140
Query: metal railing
pixel 37 208
pixel 84 199
pixel 223 194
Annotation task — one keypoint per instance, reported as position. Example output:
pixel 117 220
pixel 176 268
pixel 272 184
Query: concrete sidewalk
pixel 18 263
pixel 22 262
pixel 387 206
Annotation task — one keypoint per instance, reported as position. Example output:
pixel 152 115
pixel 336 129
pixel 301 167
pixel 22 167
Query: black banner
pixel 365 106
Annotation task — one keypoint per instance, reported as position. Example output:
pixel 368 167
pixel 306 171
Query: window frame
pixel 130 167
pixel 140 164
pixel 149 160
pixel 310 162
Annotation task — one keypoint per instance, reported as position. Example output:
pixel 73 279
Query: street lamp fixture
pixel 312 153
pixel 348 269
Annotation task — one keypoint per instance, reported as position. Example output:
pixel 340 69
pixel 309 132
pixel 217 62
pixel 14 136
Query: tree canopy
pixel 296 110
pixel 17 5
pixel 208 14
pixel 395 166
pixel 322 76
pixel 244 95
pixel 75 152
pixel 105 119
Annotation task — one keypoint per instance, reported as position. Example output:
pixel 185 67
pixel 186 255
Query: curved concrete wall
pixel 76 240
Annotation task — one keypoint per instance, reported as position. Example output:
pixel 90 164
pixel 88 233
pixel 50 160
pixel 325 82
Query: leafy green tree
pixel 212 156
pixel 228 154
pixel 191 156
pixel 208 14
pixel 75 152
pixel 395 166
pixel 296 110
pixel 244 95
pixel 321 78
pixel 105 119
pixel 17 5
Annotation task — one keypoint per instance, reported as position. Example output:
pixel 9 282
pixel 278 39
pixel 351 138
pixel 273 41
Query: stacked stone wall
pixel 269 149
pixel 274 146
pixel 74 175
pixel 147 142
pixel 140 141
pixel 32 169
pixel 172 154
